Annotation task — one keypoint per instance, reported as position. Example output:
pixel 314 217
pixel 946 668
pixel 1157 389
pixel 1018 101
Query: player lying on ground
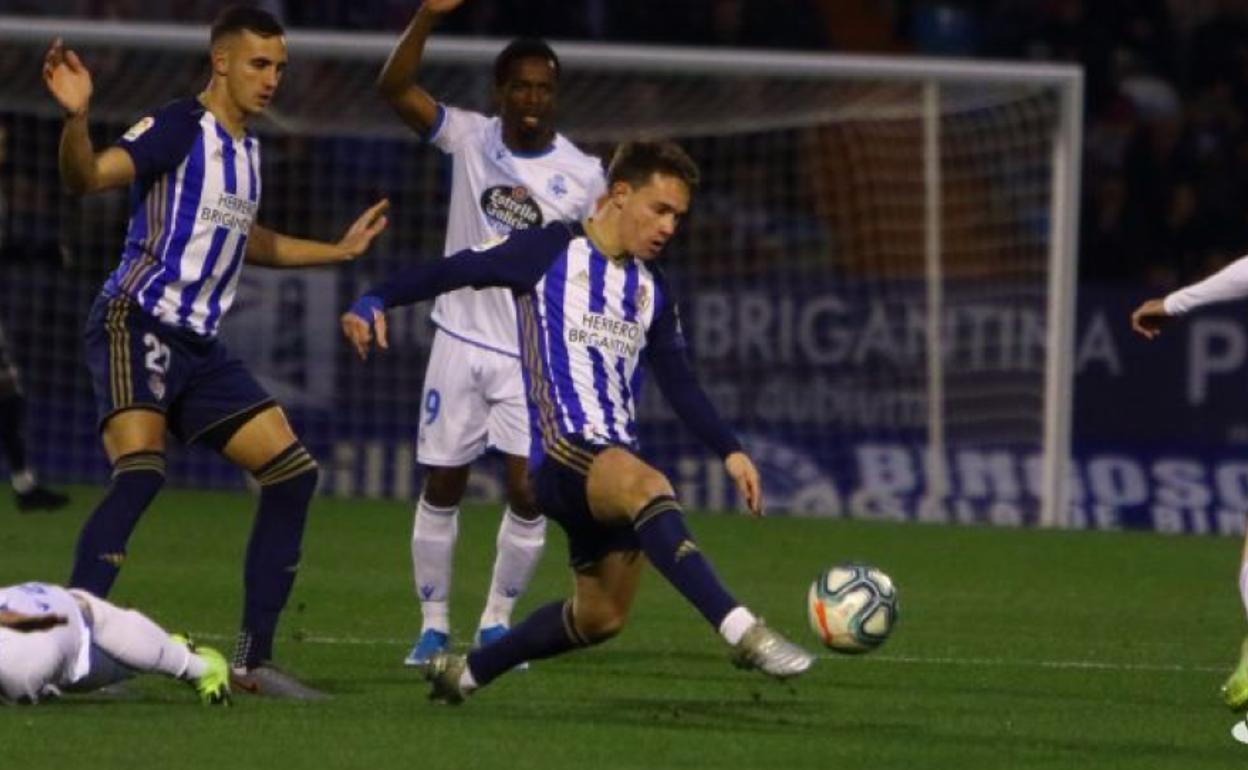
pixel 151 342
pixel 53 641
pixel 1230 283
pixel 511 172
pixel 590 301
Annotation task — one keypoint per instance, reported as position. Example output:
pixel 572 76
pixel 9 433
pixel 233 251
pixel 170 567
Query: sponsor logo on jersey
pixel 512 207
pixel 229 211
pixel 139 129
pixel 596 330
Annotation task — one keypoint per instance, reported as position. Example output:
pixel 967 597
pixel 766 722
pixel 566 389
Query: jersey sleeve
pixel 1229 283
pixel 515 262
pixel 454 128
pixel 667 356
pixel 159 142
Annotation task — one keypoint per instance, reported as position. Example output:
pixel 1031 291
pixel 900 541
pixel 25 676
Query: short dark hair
pixel 522 48
pixel 239 17
pixel 635 162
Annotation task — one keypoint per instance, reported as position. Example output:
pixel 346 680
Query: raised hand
pixel 67 79
pixel 742 471
pixel 1149 317
pixel 362 231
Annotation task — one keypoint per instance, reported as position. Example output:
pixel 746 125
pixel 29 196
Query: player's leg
pixel 225 409
pixel 522 530
pixel 520 541
pixel 452 434
pixel 136 371
pixel 135 641
pixel 435 528
pixel 620 487
pixel 265 445
pixel 605 591
pixel 28 494
pixel 134 441
pixel 1235 688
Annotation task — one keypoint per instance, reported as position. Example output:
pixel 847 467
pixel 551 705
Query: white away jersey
pixel 192 205
pixel 39 663
pixel 495 191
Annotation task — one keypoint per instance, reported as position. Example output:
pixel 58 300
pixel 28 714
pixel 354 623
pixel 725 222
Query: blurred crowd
pixel 1166 140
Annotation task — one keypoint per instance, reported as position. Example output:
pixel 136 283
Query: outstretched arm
pixel 83 170
pixel 676 379
pixel 1229 283
pixel 397 81
pixel 273 249
pixel 516 263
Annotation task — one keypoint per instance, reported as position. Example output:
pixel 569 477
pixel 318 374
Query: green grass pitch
pixel 1014 650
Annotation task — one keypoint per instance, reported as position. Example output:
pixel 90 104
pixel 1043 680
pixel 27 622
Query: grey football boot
pixel 766 650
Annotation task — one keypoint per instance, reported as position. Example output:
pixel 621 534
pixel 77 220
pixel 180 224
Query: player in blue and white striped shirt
pixel 151 339
pixel 590 302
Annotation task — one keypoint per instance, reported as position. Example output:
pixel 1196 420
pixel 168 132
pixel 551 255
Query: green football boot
pixel 1235 688
pixel 214 686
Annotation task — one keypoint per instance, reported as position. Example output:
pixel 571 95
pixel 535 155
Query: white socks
pixel 735 624
pixel 433 549
pixel 520 543
pixel 135 641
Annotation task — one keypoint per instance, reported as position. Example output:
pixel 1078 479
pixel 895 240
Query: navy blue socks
pixel 668 544
pixel 137 477
pixel 287 484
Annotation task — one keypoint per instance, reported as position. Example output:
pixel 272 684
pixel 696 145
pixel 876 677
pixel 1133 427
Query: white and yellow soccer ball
pixel 852 607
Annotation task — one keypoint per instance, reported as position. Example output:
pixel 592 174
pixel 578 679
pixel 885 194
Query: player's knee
pixel 139 475
pixel 522 501
pixel 292 474
pixel 444 487
pixel 601 628
pixel 648 485
pixel 602 622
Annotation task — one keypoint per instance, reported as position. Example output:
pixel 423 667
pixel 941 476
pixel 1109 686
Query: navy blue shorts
pixel 560 487
pixel 137 362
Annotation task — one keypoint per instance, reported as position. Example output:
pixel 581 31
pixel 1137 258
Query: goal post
pixel 877 276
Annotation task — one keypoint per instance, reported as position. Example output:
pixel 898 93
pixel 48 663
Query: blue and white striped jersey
pixel 584 321
pixel 192 205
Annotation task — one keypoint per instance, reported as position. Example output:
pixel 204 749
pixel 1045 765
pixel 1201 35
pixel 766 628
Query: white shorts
pixel 40 663
pixel 473 400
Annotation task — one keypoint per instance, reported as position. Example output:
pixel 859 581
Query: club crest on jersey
pixel 643 297
pixel 156 384
pixel 557 186
pixel 513 207
pixel 139 129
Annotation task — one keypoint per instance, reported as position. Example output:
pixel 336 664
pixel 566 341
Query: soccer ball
pixel 852 607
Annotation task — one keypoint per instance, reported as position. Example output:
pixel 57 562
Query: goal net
pixel 876 278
